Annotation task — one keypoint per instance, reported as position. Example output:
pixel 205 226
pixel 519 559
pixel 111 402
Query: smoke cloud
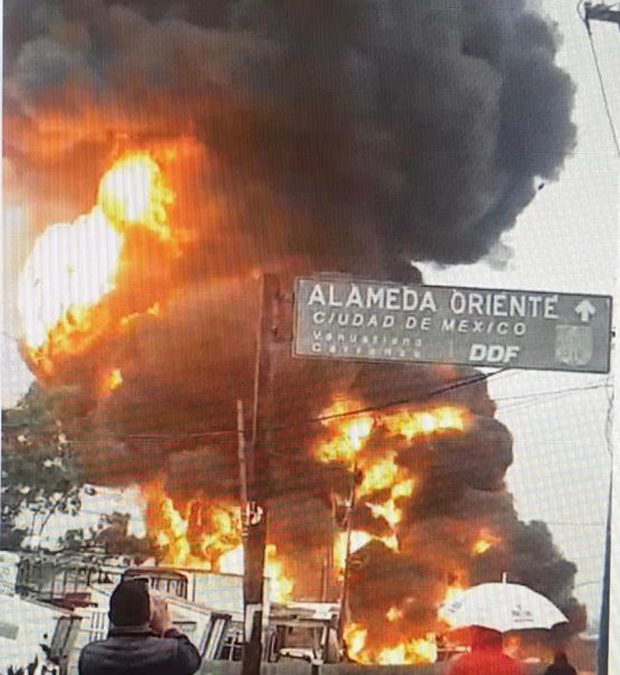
pixel 383 130
pixel 308 135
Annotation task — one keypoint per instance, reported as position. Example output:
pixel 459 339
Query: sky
pixel 565 241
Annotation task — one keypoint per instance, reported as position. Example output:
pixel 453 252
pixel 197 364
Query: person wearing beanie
pixel 141 639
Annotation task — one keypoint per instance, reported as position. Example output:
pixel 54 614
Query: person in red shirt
pixel 486 656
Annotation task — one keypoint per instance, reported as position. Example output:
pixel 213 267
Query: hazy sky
pixel 566 241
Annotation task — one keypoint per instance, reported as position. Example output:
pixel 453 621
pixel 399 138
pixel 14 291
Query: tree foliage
pixel 39 474
pixel 110 538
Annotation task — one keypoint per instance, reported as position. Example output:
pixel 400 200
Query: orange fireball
pixel 73 267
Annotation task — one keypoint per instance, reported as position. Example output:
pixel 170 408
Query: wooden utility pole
pixel 344 597
pixel 243 469
pixel 257 459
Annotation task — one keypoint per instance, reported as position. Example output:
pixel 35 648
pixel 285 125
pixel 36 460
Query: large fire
pixel 206 535
pixel 69 291
pixel 384 486
pixel 73 267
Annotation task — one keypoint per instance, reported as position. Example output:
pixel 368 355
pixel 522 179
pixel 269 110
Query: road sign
pixel 343 318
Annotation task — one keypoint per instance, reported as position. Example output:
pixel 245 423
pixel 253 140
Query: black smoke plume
pixel 356 130
pixel 356 135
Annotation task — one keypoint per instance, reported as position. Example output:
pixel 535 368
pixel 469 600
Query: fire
pixel 73 267
pixel 412 423
pixel 453 592
pixel 113 380
pixel 385 484
pixel 281 585
pixel 420 650
pixel 485 542
pixel 197 535
pixel 207 536
pixel 351 436
pixel 133 192
pixel 359 539
pixel 380 476
pixel 394 614
pixel 355 639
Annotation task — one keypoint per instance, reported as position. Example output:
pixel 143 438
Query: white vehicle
pixel 206 606
pixel 34 633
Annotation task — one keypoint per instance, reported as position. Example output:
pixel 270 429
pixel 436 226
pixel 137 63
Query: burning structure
pixel 205 142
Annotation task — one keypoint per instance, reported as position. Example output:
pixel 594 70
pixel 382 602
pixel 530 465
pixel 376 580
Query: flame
pixel 280 587
pixel 412 423
pixel 485 542
pixel 355 640
pixel 385 484
pixel 352 433
pixel 380 476
pixel 113 380
pixel 419 650
pixel 207 536
pixel 73 267
pixel 153 310
pixel 394 614
pixel 407 651
pixel 133 192
pixel 452 592
pixel 197 535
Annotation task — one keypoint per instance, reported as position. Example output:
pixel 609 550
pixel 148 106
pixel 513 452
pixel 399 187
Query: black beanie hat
pixel 130 604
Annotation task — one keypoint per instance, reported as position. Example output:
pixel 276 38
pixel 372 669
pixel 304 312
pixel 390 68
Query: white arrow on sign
pixel 585 309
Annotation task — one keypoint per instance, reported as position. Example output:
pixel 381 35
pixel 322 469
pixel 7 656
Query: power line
pixel 610 119
pixel 549 396
pixel 522 401
pixel 481 377
pixel 459 384
pixel 604 385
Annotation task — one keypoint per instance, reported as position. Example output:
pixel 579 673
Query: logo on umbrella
pixel 521 615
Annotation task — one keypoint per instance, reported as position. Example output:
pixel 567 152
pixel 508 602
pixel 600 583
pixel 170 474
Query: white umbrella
pixel 502 607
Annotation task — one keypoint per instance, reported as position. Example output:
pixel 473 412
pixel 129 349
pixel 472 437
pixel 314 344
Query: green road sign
pixel 342 318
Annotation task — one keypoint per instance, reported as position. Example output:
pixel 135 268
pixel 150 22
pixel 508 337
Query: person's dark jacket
pixel 560 669
pixel 138 651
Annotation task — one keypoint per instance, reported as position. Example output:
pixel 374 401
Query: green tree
pixel 39 473
pixel 109 538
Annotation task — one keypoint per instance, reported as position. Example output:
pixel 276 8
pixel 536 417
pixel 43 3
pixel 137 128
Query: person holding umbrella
pixel 486 656
pixel 492 609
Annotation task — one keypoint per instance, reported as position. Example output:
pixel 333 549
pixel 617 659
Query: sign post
pixel 342 318
pixel 256 465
